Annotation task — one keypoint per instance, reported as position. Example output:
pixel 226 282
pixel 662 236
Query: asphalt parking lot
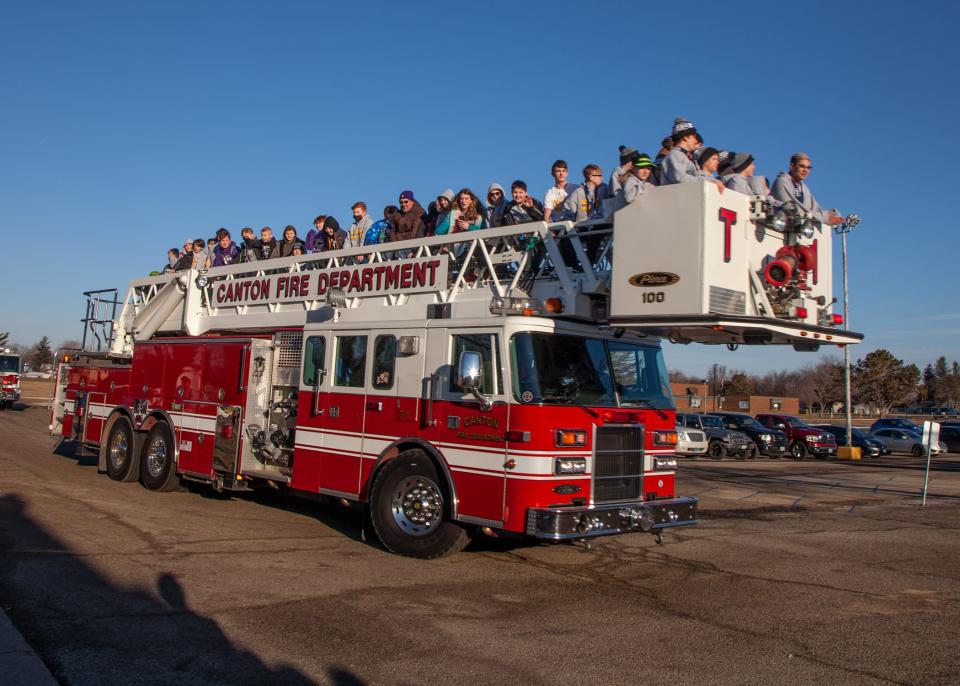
pixel 798 572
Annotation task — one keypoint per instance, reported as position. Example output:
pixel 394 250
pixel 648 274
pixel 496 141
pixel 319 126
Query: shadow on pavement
pixel 89 630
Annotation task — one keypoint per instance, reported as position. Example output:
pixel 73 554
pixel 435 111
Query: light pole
pixel 843 229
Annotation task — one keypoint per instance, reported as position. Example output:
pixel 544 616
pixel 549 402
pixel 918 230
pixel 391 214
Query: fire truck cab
pixel 10 369
pixel 509 380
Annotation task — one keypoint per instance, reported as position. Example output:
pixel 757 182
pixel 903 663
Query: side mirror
pixel 469 375
pixel 781 426
pixel 469 370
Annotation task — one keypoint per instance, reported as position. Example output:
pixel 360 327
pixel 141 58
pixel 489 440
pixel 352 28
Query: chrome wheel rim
pixel 119 449
pixel 417 506
pixel 156 456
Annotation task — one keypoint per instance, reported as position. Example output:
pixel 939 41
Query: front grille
pixel 618 463
pixel 695 436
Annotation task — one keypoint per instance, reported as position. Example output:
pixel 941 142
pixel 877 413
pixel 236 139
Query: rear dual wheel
pixel 122 463
pixel 158 470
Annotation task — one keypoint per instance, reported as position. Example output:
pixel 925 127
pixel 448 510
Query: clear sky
pixel 126 129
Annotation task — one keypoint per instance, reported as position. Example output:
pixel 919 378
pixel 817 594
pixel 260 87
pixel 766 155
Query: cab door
pixel 345 417
pixel 472 439
pixel 311 412
pixel 393 397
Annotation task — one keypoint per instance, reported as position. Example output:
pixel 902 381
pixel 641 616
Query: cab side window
pixel 313 361
pixel 351 358
pixel 384 361
pixel 488 346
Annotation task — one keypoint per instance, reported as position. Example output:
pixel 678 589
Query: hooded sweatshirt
pixel 223 257
pixel 678 168
pixel 494 213
pixel 269 249
pixel 786 189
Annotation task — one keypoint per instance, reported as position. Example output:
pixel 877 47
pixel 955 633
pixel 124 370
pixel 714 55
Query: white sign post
pixel 931 437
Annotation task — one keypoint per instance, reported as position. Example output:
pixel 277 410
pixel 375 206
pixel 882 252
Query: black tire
pixel 754 452
pixel 410 512
pixel 798 450
pixel 716 450
pixel 917 451
pixel 122 454
pixel 158 471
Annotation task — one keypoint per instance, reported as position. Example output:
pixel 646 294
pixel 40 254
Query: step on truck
pixel 509 380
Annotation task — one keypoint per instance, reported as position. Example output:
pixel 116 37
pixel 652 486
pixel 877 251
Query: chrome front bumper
pixel 7 394
pixel 562 523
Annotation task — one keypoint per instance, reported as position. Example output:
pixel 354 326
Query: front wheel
pixel 917 450
pixel 158 472
pixel 409 510
pixel 798 450
pixel 716 450
pixel 122 451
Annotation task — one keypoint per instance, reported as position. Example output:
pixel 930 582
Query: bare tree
pixel 821 384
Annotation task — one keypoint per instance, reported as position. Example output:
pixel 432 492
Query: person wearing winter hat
pixel 724 159
pixel 336 237
pixel 619 173
pixel 677 166
pixel 553 201
pixel 741 167
pixel 361 222
pixel 407 223
pixel 791 187
pixel 637 181
pixel 709 160
pixel 496 202
pixel 444 220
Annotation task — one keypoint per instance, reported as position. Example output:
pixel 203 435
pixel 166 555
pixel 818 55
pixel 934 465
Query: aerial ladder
pixel 684 263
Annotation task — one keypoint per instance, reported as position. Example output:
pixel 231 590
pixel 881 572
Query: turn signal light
pixel 571 437
pixel 554 305
pixel 664 437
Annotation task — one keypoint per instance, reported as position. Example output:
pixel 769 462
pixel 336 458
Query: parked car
pixel 894 423
pixel 903 441
pixel 691 442
pixel 869 446
pixel 950 437
pixel 769 442
pixel 722 441
pixel 803 439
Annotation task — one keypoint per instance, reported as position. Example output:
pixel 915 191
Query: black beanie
pixel 706 154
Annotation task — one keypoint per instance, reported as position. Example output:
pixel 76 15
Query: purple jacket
pixel 223 257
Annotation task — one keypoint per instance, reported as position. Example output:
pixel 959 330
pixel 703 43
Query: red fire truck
pixel 506 380
pixel 10 368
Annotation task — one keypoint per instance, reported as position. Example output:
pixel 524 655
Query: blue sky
pixel 127 128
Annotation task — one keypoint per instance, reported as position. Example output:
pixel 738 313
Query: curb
pixel 19 664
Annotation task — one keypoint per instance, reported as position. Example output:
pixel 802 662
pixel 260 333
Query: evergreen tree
pixel 41 352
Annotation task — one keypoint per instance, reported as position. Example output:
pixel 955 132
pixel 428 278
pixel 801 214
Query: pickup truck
pixel 803 439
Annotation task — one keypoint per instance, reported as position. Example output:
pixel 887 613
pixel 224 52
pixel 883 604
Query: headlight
pixel 570 465
pixel 660 463
pixel 811 438
pixel 766 437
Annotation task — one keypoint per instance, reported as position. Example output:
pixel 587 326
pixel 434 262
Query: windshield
pixel 746 422
pixel 574 370
pixel 798 423
pixel 10 363
pixel 712 422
